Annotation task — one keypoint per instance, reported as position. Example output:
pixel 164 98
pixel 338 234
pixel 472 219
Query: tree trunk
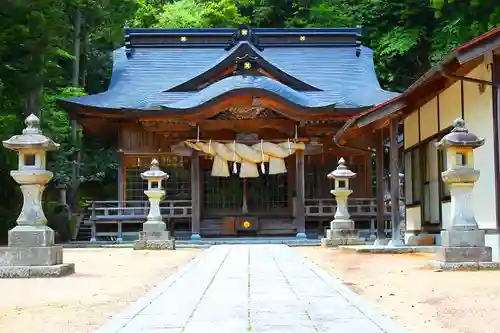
pixel 75 80
pixel 84 51
pixel 32 102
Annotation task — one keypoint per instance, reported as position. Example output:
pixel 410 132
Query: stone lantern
pixel 462 244
pixel 342 230
pixel 154 234
pixel 31 251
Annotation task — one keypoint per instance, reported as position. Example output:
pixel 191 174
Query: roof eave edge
pixel 386 110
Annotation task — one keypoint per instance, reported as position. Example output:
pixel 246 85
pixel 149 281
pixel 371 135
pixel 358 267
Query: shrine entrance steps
pixel 252 240
pixel 250 288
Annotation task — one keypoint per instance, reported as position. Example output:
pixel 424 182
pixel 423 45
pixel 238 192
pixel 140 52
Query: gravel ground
pixel 423 301
pixel 105 282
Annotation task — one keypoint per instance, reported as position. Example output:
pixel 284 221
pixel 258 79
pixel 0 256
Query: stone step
pixel 84 233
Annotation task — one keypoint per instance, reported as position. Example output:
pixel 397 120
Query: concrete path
pixel 250 288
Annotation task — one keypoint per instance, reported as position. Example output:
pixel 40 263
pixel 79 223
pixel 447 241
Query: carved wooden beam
pixel 283 125
pixel 166 126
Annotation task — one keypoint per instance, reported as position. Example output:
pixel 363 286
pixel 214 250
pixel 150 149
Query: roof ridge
pixel 357 31
pixel 228 37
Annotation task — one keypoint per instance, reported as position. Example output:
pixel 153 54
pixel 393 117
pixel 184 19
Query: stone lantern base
pixel 342 232
pixel 154 237
pixel 32 253
pixel 463 250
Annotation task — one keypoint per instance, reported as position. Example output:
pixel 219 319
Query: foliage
pixel 459 21
pixel 56 125
pixel 188 14
pixel 99 161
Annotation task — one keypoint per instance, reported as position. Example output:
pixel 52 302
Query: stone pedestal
pixel 154 237
pixel 155 241
pixel 31 251
pixel 463 249
pixel 467 238
pixel 380 242
pixel 342 233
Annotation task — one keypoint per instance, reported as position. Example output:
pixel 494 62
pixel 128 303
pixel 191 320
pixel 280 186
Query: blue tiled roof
pixel 240 82
pixel 142 81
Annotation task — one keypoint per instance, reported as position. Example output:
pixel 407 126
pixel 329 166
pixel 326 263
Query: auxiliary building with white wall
pixel 465 84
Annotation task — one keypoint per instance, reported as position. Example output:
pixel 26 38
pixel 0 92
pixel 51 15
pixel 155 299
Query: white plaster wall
pixel 450 105
pixel 413 218
pixel 411 137
pixel 493 240
pixel 429 119
pixel 478 110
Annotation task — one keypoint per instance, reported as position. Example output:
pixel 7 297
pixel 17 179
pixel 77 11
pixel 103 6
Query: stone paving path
pixel 250 288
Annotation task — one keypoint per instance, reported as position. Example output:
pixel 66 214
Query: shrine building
pixel 248 123
pixel 464 84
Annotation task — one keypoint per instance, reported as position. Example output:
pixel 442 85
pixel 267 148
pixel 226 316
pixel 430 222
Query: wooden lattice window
pixel 178 185
pixel 135 185
pixel 221 193
pixel 317 183
pixel 264 193
pixel 267 192
pixel 316 170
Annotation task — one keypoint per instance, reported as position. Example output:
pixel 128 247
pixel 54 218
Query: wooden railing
pixel 105 210
pixel 120 212
pixel 358 207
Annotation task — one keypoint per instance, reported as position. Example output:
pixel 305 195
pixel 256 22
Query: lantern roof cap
pixel 154 172
pixel 342 171
pixel 32 137
pixel 460 137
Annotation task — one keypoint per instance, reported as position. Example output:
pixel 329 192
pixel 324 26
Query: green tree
pixel 459 21
pixel 188 14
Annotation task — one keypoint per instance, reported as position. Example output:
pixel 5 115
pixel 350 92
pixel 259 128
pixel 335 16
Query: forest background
pixel 62 48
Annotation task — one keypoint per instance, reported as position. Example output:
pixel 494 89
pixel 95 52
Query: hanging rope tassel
pixel 262 166
pixel 235 167
pixel 209 155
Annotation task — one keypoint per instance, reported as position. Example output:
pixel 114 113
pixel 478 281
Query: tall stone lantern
pixel 154 234
pixel 31 251
pixel 462 244
pixel 342 230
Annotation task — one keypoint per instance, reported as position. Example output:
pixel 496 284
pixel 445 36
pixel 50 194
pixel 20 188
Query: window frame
pixel 421 147
pixel 413 155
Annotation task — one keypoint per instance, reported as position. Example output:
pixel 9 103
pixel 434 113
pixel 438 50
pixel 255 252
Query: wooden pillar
pixel 368 186
pixel 119 237
pixel 93 232
pixel 121 179
pixel 300 219
pixel 379 165
pixel 496 133
pixel 394 170
pixel 195 195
